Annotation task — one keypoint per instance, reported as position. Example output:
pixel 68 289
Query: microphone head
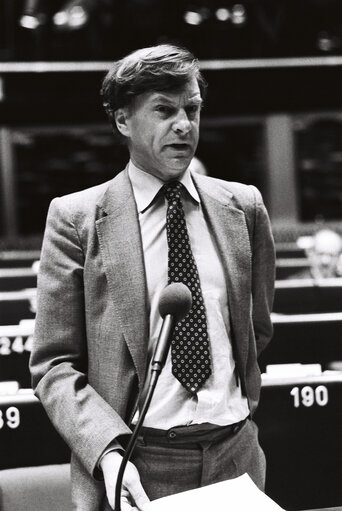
pixel 175 299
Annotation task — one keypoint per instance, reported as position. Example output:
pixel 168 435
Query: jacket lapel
pixel 230 230
pixel 121 248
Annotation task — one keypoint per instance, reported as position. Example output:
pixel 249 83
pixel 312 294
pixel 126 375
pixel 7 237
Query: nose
pixel 181 124
pixel 326 259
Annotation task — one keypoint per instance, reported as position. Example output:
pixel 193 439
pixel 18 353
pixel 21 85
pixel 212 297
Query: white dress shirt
pixel 220 400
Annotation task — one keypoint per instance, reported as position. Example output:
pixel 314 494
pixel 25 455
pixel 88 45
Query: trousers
pixel 191 461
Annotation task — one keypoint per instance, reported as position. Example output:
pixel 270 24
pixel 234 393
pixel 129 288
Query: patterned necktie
pixel 190 344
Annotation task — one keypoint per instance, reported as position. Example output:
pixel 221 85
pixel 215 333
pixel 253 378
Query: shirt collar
pixel 146 186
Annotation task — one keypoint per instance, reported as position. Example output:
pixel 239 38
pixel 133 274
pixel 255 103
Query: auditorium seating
pixel 299 296
pixel 42 488
pixel 13 279
pixel 300 424
pixel 17 305
pixel 290 267
pixel 15 348
pixel 299 418
pixel 27 437
pixel 290 260
pixel 305 338
pixel 18 258
pixel 289 250
pixel 34 460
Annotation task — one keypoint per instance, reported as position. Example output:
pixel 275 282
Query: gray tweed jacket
pixel 89 355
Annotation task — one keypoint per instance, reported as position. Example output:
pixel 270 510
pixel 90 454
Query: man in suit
pixel 108 253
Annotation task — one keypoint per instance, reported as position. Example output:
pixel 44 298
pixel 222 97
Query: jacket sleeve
pixel 263 274
pixel 58 360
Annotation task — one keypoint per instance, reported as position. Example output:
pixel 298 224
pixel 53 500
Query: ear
pixel 121 116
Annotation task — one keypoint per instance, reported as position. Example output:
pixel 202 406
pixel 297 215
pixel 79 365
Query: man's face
pixel 326 253
pixel 163 129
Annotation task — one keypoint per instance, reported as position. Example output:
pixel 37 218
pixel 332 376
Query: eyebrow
pixel 197 100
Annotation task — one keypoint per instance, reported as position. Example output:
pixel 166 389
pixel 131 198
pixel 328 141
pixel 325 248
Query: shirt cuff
pixel 113 446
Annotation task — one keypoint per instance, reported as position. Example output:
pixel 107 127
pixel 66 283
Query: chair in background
pixel 42 488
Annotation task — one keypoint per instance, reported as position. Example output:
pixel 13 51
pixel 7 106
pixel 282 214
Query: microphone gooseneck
pixel 174 304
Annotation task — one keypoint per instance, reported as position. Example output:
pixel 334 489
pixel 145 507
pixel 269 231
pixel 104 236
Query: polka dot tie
pixel 190 344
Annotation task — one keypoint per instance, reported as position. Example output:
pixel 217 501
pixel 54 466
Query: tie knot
pixel 172 190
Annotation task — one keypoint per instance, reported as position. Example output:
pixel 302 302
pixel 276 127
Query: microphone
pixel 174 303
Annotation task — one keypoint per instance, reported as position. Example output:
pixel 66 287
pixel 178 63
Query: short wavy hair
pixel 164 67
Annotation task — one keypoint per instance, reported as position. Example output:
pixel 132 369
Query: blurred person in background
pixel 323 251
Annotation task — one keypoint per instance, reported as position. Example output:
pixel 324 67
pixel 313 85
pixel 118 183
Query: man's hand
pixel 133 495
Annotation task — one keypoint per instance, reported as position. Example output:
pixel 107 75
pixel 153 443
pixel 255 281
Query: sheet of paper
pixel 239 494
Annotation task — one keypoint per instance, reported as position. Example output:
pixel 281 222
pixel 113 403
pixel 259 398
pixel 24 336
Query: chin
pixel 177 172
pixel 180 165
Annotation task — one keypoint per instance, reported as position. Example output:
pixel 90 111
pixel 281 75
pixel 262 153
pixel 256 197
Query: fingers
pixel 125 503
pixel 131 482
pixel 132 492
pixel 126 500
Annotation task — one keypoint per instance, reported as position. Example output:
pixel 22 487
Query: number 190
pixel 307 396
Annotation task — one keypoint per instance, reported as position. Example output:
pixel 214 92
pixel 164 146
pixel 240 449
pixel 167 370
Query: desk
pixel 302 296
pixel 300 424
pixel 18 258
pixel 27 437
pixel 304 338
pixel 14 279
pixel 17 305
pixel 15 348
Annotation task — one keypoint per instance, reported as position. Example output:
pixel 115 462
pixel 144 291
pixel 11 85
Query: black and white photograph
pixel 170 255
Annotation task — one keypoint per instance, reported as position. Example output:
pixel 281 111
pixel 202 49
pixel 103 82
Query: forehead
pixel 190 92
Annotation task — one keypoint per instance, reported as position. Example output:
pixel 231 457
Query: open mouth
pixel 180 147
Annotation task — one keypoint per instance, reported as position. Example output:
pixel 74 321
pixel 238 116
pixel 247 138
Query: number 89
pixel 10 418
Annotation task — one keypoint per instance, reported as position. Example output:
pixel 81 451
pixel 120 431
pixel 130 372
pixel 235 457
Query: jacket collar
pixel 146 186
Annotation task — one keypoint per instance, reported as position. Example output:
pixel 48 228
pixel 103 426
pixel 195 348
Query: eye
pixel 192 110
pixel 164 109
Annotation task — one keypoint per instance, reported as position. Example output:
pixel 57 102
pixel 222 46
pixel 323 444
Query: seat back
pixel 43 488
